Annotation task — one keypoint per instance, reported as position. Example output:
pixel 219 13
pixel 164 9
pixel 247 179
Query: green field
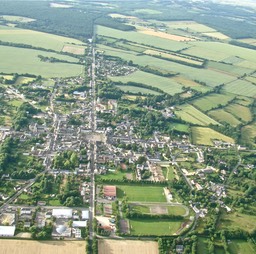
pixel 204 136
pixel 190 26
pixel 117 175
pixel 239 111
pixel 36 39
pixel 192 115
pixel 135 89
pixel 19 60
pixel 212 101
pixel 166 84
pixel 180 127
pixel 154 227
pixel 17 19
pixel 237 220
pixel 221 116
pixel 240 246
pixel 141 38
pixel 202 246
pixel 241 87
pixel 168 173
pixel 248 133
pixel 143 193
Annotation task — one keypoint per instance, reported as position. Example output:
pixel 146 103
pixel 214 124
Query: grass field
pixel 237 220
pixel 180 127
pixel 221 116
pixel 248 133
pixel 168 173
pixel 154 227
pixel 143 193
pixel 217 35
pixel 135 89
pixel 127 247
pixel 241 87
pixel 41 247
pixel 239 246
pixel 192 115
pixel 212 101
pixel 191 26
pixel 36 39
pixel 239 111
pixel 166 84
pixel 117 175
pixel 204 136
pixel 202 246
pixel 19 60
pixel 74 49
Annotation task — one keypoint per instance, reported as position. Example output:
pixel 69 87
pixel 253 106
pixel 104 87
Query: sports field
pixel 127 247
pixel 142 193
pixel 19 60
pixel 205 136
pixel 36 39
pixel 41 247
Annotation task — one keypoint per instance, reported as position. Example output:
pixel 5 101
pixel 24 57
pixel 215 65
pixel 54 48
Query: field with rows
pixel 223 116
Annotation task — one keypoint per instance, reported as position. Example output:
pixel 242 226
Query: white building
pixel 79 224
pixel 7 231
pixel 85 215
pixel 62 213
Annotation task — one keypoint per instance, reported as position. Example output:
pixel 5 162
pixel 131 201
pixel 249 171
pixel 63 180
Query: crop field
pixel 241 112
pixel 23 80
pixel 205 136
pixel 217 35
pixel 154 227
pixel 240 246
pixel 74 49
pixel 127 247
pixel 241 87
pixel 41 247
pixel 223 116
pixel 191 26
pixel 190 83
pixel 248 133
pixel 163 35
pixel 212 101
pixel 192 115
pixel 247 64
pixel 166 84
pixel 143 193
pixel 210 77
pixel 135 89
pixel 19 60
pixel 237 220
pixel 36 39
pixel 172 57
pixel 141 38
pixel 245 101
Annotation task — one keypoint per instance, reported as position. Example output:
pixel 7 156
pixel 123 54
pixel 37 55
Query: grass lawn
pixel 204 136
pixel 202 246
pixel 116 175
pixel 54 202
pixel 19 60
pixel 140 208
pixel 239 246
pixel 144 193
pixel 168 173
pixel 154 227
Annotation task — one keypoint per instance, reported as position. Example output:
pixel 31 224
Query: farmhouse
pixel 7 231
pixel 109 192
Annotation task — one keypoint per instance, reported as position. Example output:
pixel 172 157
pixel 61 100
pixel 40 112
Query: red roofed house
pixel 109 191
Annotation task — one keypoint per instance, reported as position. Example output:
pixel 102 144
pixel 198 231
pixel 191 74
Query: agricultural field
pixel 16 19
pixel 192 115
pixel 141 38
pixel 191 84
pixel 135 89
pixel 205 136
pixel 127 247
pixel 190 26
pixel 212 101
pixel 221 116
pixel 216 35
pixel 240 112
pixel 36 39
pixel 241 87
pixel 74 49
pixel 237 220
pixel 154 227
pixel 41 247
pixel 141 193
pixel 240 246
pixel 166 84
pixel 147 11
pixel 19 60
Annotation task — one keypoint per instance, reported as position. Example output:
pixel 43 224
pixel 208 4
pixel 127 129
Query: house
pixel 85 215
pixel 7 231
pixel 179 248
pixel 62 213
pixel 109 191
pixel 79 224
